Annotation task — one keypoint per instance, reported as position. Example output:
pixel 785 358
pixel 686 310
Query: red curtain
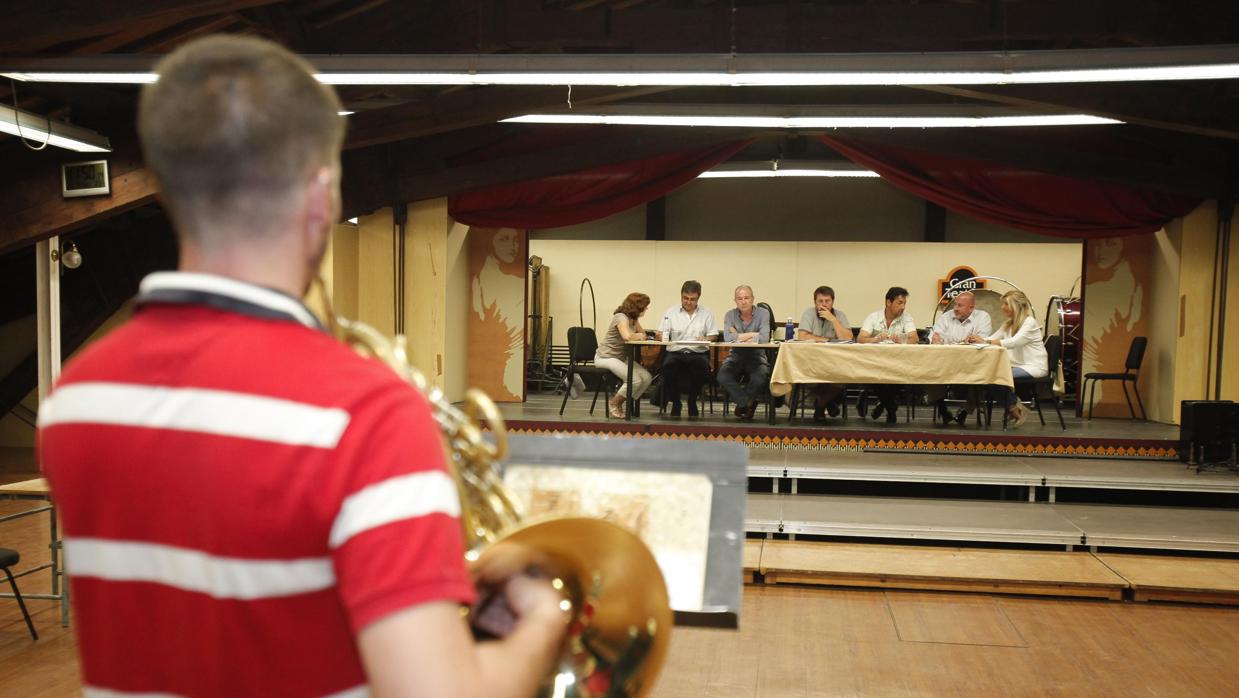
pixel 1033 201
pixel 579 197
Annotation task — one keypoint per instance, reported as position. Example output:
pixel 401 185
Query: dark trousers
pixel 684 372
pixel 888 396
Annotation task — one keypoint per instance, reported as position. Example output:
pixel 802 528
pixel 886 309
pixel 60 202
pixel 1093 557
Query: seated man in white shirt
pixel 891 324
pixel 954 326
pixel 686 367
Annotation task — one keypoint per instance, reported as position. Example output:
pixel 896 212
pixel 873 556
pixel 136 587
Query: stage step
pixel 1043 573
pixel 1163 578
pixel 1022 471
pixel 935 568
pixel 1109 526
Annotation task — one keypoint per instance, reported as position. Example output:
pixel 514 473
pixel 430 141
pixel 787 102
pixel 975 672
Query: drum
pixel 1065 317
pixel 991 302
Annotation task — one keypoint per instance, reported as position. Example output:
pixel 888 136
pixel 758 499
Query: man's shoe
pixel 962 417
pixel 692 408
pixel 819 415
pixel 675 409
pixel 877 410
pixel 892 415
pixel 740 410
pixel 832 409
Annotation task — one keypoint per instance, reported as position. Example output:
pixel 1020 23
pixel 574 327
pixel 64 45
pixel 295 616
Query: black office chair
pixel 8 559
pixel 1131 371
pixel 1053 351
pixel 582 347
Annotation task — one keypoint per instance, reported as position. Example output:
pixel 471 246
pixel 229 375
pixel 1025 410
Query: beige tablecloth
pixel 904 364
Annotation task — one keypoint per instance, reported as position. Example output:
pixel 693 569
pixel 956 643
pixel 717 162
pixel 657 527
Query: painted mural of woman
pixel 1116 276
pixel 496 328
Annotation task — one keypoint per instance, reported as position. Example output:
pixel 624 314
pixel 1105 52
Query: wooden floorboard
pixel 923 567
pixel 801 641
pixel 1167 578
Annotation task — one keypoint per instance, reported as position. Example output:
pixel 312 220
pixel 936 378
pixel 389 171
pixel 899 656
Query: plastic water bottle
pixel 790 332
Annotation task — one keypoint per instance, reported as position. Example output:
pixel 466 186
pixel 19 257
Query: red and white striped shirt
pixel 240 495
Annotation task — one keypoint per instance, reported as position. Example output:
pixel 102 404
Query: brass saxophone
pixel 621 619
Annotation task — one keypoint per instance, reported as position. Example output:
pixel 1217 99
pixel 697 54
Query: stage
pixel 1083 438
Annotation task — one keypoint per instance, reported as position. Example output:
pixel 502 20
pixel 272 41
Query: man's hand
pixel 881 337
pixel 825 314
pixel 935 338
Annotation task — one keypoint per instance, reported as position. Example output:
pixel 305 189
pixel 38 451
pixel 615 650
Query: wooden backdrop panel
pixel 497 311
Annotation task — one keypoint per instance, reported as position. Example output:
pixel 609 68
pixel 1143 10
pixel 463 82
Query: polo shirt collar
pixel 223 293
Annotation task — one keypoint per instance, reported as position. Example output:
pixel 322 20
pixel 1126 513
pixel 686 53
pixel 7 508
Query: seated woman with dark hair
pixel 625 327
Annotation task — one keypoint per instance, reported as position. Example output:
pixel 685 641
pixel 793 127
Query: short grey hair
pixel 743 286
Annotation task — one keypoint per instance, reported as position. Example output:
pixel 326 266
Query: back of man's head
pixel 234 129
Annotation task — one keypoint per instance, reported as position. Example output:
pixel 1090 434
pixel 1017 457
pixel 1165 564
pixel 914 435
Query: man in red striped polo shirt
pixel 249 507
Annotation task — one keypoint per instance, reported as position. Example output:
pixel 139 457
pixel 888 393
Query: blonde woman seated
pixel 1021 335
pixel 612 354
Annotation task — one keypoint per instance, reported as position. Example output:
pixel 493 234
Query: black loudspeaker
pixel 1208 430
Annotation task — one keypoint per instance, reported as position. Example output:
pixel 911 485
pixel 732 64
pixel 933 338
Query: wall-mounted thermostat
pixel 85 178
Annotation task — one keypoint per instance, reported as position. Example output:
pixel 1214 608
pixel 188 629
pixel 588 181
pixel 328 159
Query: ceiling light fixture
pixel 36 128
pixel 942 68
pixel 786 168
pixel 790 172
pixel 817 122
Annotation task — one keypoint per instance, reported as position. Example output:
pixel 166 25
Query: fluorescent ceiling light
pixel 35 128
pixel 940 68
pixel 816 122
pixel 789 172
pixel 786 168
pixel 93 77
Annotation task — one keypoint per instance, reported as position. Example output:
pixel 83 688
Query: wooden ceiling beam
pixel 35 209
pixel 474 107
pixel 33 26
pixel 1083 99
pixel 125 37
pixel 622 145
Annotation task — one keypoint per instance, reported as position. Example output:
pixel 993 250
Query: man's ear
pixel 320 207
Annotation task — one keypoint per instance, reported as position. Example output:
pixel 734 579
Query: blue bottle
pixel 790 332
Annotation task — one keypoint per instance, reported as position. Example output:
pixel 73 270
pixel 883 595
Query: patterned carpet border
pixel 910 442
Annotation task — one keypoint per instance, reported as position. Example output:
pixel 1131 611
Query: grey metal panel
pixel 766 471
pixel 1134 475
pixel 1177 528
pixel 722 462
pixel 765 513
pixel 931 519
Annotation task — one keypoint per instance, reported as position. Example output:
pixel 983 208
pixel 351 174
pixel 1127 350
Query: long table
pixel 634 355
pixel 901 364
pixel 828 362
